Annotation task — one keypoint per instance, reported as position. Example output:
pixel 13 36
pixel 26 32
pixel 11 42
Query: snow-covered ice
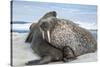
pixel 22 52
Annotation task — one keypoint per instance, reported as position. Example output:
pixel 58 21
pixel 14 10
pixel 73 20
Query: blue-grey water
pixel 23 30
pixel 94 33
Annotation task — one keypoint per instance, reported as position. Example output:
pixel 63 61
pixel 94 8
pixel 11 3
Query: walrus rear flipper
pixel 68 54
pixel 44 60
pixel 29 37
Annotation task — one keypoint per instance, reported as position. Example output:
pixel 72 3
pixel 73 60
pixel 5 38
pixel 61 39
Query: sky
pixel 30 11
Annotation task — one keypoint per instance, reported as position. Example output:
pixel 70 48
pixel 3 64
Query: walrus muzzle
pixel 47 33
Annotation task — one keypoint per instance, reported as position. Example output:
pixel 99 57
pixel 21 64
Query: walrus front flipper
pixel 29 37
pixel 44 60
pixel 68 54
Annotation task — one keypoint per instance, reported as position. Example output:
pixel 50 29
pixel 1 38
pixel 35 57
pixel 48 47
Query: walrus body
pixel 67 33
pixel 58 39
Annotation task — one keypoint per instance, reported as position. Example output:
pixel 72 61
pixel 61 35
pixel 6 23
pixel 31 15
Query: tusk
pixel 48 34
pixel 43 34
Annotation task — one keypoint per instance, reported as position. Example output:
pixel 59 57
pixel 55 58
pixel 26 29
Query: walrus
pixel 64 33
pixel 64 36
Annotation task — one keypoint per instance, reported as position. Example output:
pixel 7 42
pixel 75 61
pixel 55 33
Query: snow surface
pixel 22 52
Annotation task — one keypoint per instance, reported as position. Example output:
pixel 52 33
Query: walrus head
pixel 46 24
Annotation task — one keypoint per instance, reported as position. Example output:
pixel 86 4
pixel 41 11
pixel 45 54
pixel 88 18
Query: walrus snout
pixel 45 25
